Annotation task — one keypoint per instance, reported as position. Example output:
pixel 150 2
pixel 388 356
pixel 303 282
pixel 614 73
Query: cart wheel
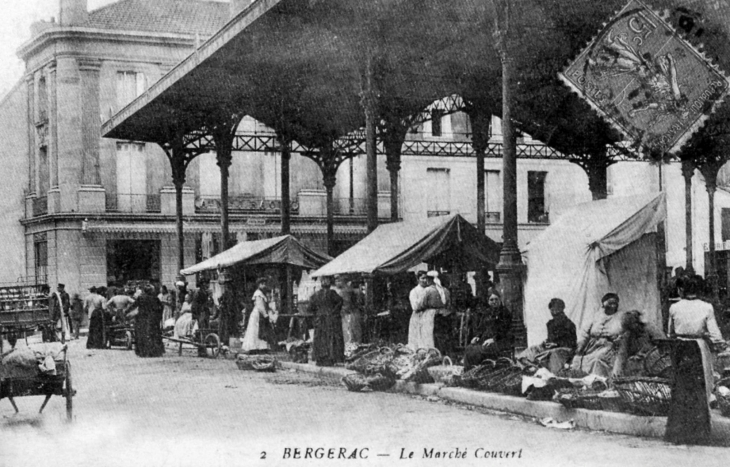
pixel 69 393
pixel 212 345
pixel 128 341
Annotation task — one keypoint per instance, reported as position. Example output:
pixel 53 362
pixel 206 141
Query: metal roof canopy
pixel 297 67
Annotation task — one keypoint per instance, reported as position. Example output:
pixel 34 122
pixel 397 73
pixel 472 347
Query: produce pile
pixel 378 368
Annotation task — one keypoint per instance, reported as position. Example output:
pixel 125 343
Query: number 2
pixel 263 454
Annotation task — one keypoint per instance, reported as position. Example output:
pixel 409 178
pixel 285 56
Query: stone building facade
pixel 85 210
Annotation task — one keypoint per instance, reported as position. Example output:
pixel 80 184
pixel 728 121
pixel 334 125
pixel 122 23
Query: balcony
pixel 309 203
pixel 243 204
pixel 133 203
pixel 40 206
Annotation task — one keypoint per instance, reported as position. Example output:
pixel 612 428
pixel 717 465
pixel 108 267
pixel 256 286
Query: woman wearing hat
pixel 257 334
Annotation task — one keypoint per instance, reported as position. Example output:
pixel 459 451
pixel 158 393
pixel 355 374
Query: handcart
pixel 120 335
pixel 206 340
pixel 23 313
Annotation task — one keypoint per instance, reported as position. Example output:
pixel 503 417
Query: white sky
pixel 15 21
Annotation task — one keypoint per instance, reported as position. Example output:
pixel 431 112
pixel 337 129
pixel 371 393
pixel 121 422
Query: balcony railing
pixel 492 217
pixel 312 204
pixel 247 204
pixel 40 206
pixel 124 202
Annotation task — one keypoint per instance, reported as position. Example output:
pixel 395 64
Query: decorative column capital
pixel 688 169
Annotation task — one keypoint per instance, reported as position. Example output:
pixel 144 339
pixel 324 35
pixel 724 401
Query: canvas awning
pixel 278 250
pixel 597 247
pixel 396 247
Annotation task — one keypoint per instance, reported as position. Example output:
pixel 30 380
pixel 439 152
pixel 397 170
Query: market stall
pixel 383 258
pixel 282 259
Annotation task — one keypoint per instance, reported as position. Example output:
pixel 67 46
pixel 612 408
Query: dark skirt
pixel 148 334
pixel 329 343
pixel 689 420
pixel 96 330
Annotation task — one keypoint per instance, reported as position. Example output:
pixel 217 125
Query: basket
pixel 445 372
pixel 507 380
pixel 645 396
pixel 372 362
pixel 658 363
pixel 245 362
pixel 470 379
pixel 423 360
pixel 380 382
pixel 262 364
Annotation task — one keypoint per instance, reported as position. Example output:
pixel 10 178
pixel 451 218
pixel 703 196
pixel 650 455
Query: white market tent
pixel 595 248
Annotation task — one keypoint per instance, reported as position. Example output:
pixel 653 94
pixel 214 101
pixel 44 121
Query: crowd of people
pixel 445 316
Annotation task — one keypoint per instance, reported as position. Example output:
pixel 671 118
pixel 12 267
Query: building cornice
pixel 212 219
pixel 92 34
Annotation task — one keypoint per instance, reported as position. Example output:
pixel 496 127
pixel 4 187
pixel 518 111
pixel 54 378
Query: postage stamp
pixel 646 80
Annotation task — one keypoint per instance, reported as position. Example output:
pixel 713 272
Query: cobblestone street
pixel 187 411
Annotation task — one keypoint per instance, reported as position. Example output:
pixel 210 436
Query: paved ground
pixel 187 411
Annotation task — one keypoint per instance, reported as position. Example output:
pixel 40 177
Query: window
pixel 40 250
pixel 492 195
pixel 436 116
pixel 42 100
pixel 131 178
pixel 43 171
pixel 439 192
pixel 130 85
pixel 536 197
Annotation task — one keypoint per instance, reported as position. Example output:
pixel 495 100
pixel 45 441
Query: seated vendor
pixel 558 349
pixel 493 335
pixel 607 341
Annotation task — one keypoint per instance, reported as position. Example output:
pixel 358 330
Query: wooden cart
pixel 206 340
pixel 119 334
pixel 24 311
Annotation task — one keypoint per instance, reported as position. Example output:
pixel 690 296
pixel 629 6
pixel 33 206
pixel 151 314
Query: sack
pixel 355 382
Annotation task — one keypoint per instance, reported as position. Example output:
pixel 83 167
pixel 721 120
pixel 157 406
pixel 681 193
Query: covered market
pixel 335 74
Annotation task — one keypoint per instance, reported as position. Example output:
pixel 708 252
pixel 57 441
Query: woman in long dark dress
pixel 329 343
pixel 94 304
pixel 147 325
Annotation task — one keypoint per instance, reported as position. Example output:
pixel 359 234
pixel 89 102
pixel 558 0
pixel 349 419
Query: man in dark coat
pixel 329 343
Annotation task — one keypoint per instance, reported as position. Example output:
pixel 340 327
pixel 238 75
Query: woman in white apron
pixel 255 339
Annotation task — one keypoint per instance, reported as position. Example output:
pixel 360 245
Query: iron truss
pixel 353 143
pixel 352 146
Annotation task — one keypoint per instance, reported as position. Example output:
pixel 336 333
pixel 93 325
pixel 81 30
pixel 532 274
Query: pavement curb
pixel 597 420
